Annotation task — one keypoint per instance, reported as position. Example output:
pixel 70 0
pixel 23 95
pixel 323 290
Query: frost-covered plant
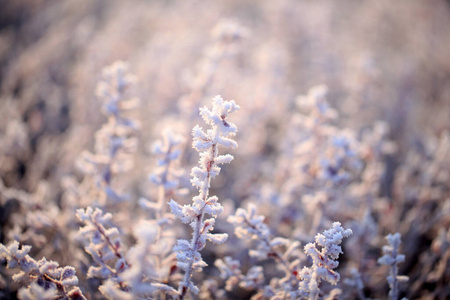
pixel 210 290
pixel 299 164
pixel 230 269
pixel 166 178
pixel 166 175
pixel 43 279
pixel 391 257
pixel 102 241
pixel 207 144
pixel 296 283
pixel 39 219
pixel 140 273
pixel 168 152
pixel 324 260
pixel 334 158
pixel 142 277
pixel 115 141
pixel 250 225
pixel 317 163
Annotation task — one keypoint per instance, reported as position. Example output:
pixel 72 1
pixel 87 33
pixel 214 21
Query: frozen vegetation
pixel 128 173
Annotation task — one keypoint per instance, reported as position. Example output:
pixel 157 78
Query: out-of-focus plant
pixel 392 258
pixel 43 279
pixel 115 141
pixel 369 148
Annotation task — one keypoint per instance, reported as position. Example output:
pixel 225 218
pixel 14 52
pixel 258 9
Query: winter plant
pixel 207 144
pixel 44 279
pixel 159 266
pixel 115 141
pixel 324 261
pixel 95 192
pixel 391 257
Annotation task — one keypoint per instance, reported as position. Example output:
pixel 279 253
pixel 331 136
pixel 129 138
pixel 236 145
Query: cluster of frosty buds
pixel 46 279
pixel 324 261
pixel 102 242
pixel 250 225
pixel 115 141
pixel 392 258
pixel 207 144
pixel 142 278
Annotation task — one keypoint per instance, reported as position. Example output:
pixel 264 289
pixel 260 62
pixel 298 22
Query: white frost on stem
pixel 206 143
pixel 324 261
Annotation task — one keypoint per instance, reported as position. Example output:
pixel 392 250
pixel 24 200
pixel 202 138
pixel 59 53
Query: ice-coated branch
pixel 45 278
pixel 207 144
pixel 102 242
pixel 324 260
pixel 392 258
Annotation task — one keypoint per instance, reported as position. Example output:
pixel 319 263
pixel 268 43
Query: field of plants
pixel 234 149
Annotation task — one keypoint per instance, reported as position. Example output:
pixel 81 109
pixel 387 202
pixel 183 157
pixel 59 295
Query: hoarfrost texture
pixel 207 144
pixel 113 183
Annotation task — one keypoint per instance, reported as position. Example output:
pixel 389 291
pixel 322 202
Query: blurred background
pixel 381 60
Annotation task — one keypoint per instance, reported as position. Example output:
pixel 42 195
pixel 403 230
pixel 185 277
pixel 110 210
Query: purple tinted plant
pixel 249 225
pixel 43 279
pixel 166 177
pixel 102 241
pixel 324 260
pixel 297 283
pixel 391 257
pixel 115 141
